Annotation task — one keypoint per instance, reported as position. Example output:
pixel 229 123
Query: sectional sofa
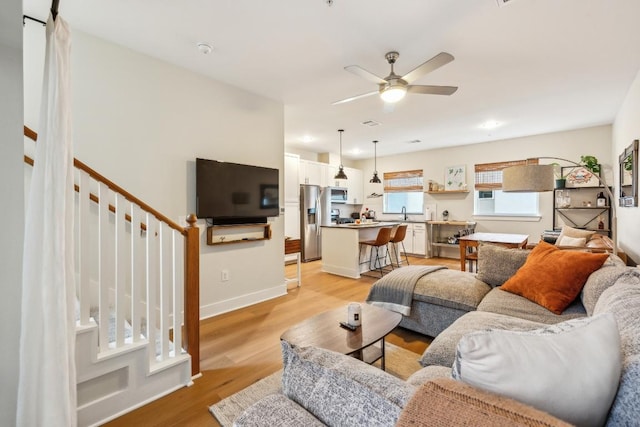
pixel 502 354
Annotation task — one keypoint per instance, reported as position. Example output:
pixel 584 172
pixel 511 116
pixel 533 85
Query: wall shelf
pixel 447 192
pixel 237 233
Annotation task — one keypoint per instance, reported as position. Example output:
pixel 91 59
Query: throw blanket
pixel 395 290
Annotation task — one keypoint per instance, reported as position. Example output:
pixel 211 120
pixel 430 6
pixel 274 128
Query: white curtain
pixel 47 389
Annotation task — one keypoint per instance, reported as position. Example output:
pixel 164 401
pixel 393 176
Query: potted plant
pixel 588 162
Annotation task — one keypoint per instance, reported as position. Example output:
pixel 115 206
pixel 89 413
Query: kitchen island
pixel 341 247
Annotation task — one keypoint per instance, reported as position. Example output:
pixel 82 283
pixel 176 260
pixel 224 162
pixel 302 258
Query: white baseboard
pixel 220 307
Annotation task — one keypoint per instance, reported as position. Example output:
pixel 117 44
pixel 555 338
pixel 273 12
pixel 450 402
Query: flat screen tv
pixel 232 193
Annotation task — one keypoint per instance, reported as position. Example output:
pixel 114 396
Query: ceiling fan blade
pixel 359 71
pixel 432 90
pixel 353 98
pixel 443 58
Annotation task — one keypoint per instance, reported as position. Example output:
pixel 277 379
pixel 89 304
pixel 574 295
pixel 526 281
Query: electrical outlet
pixel 224 275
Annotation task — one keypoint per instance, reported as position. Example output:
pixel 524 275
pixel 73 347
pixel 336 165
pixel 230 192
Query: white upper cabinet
pixel 291 179
pixel 310 172
pixel 322 174
pixel 355 186
pixel 330 172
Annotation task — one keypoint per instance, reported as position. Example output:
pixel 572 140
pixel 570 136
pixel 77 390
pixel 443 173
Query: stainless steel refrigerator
pixel 315 211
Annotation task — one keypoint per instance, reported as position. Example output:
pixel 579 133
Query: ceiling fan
pixel 394 87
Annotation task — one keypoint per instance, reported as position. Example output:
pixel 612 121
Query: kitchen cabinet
pixel 310 172
pixel 415 241
pixel 323 174
pixel 291 178
pixel 329 180
pixel 292 220
pixel 355 186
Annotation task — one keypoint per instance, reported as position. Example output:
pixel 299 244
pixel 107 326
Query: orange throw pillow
pixel 553 278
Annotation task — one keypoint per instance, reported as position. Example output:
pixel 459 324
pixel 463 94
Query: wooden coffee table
pixel 323 330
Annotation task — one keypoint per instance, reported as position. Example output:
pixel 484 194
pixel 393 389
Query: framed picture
pixel 578 176
pixel 455 178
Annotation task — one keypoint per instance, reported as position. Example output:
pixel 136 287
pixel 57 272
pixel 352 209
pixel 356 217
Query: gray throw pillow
pixel 497 264
pixel 341 390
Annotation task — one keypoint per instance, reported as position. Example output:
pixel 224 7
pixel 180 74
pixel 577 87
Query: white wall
pixel 626 128
pixel 12 212
pixel 570 145
pixel 142 122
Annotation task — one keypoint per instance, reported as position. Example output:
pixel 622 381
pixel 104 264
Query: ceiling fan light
pixel 393 93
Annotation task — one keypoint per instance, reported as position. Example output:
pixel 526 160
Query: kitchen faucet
pixel 404 213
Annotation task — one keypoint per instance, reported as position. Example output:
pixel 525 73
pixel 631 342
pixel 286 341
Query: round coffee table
pixel 324 330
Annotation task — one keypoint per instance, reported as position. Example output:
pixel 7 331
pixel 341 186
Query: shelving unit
pixel 578 215
pixel 438 240
pixel 237 233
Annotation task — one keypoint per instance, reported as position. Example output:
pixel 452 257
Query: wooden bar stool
pixel 384 235
pixel 397 239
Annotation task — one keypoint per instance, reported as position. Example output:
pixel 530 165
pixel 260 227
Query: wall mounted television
pixel 232 193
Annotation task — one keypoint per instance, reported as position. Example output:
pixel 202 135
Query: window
pixel 490 200
pixel 403 190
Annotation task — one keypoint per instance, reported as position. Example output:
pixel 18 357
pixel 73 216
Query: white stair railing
pixel 128 273
pixel 137 272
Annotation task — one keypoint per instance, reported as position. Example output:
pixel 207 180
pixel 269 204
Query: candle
pixel 354 314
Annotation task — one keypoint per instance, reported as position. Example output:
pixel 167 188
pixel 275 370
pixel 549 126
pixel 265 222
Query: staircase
pixel 137 328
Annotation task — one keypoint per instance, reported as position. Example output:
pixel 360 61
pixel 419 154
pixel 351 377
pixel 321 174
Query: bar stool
pixel 384 235
pixel 396 239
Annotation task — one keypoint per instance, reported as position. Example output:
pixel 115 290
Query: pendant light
pixel 375 179
pixel 341 174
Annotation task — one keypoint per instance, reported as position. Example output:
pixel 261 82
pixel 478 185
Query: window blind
pixel 404 181
pixel 488 176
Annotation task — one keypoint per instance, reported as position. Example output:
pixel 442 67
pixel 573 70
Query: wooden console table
pixel 502 239
pixel 292 246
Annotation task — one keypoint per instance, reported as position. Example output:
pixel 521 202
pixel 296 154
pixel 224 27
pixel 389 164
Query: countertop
pixel 354 226
pixel 409 221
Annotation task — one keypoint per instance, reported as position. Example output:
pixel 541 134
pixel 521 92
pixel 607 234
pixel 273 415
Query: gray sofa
pixel 325 388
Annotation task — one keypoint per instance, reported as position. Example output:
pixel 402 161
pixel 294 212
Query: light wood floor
pixel 241 347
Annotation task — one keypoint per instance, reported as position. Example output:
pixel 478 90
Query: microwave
pixel 338 194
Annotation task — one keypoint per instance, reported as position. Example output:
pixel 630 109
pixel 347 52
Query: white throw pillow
pixel 574 232
pixel 572 241
pixel 570 370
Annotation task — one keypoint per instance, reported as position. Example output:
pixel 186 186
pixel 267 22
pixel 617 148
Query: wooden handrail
pixel 192 292
pixel 93 197
pixel 114 187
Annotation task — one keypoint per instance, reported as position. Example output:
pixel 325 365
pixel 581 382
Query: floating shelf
pixel 237 233
pixel 447 192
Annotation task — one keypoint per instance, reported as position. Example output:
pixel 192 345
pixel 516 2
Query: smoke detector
pixel 204 48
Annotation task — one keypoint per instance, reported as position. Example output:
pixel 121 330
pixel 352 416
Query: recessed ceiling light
pixel 306 139
pixel 490 124
pixel 356 151
pixel 204 48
